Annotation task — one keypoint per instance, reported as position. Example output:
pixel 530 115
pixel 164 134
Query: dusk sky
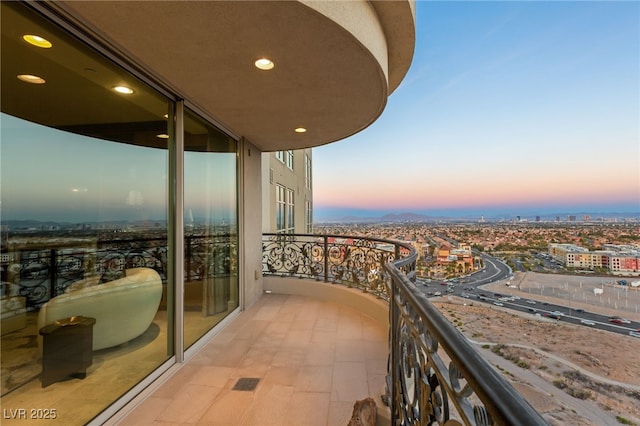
pixel 508 108
pixel 51 175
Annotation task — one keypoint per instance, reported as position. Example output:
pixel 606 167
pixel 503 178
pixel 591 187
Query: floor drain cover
pixel 246 384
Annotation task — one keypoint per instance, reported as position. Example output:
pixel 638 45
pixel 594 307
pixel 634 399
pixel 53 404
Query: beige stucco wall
pixel 360 19
pixel 251 223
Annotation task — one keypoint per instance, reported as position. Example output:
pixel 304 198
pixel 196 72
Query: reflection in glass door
pixel 211 230
pixel 84 223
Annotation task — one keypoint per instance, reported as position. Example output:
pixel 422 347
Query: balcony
pixel 318 340
pixel 434 374
pixel 316 356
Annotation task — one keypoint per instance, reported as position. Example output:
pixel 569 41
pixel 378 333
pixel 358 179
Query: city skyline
pixel 514 108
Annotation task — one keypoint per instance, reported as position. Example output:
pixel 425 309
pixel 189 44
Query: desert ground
pixel 573 375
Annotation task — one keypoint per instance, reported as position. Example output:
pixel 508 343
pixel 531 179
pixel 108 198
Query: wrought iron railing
pixel 435 376
pixel 353 261
pixel 39 273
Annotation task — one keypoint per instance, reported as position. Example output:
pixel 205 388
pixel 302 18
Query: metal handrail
pixel 43 270
pixel 353 261
pixel 435 375
pixel 467 374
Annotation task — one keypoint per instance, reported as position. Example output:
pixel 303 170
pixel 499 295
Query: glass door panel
pixel 211 229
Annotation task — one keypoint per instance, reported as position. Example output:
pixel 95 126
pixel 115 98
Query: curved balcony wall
pixel 376 308
pixel 335 62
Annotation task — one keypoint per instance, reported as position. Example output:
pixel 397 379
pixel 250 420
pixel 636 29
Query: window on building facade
pixel 280 208
pixel 280 155
pixel 307 171
pixel 308 214
pixel 289 159
pixel 290 212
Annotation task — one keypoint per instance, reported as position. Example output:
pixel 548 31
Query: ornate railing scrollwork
pixel 41 274
pixel 435 375
pixel 352 261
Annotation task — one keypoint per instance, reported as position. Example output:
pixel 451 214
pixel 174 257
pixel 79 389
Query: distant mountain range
pixel 409 217
pixel 390 217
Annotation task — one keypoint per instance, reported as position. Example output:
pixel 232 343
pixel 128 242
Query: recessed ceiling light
pixel 264 64
pixel 29 78
pixel 37 41
pixel 300 130
pixel 123 89
pixel 162 136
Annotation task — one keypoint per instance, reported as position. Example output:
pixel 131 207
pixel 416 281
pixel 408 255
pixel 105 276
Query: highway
pixel 470 287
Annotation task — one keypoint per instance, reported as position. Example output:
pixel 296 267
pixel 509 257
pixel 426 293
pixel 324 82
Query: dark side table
pixel 67 349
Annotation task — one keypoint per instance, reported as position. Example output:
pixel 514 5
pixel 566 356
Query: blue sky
pixel 514 107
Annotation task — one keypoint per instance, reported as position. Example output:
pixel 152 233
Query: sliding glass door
pixel 89 234
pixel 211 229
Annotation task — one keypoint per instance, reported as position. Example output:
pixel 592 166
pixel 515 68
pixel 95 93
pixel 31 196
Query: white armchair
pixel 123 308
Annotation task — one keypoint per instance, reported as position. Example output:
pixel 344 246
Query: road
pixel 470 287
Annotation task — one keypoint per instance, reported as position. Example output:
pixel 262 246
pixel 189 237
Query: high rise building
pixel 287 199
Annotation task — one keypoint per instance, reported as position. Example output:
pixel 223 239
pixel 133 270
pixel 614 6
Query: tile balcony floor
pixel 314 359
